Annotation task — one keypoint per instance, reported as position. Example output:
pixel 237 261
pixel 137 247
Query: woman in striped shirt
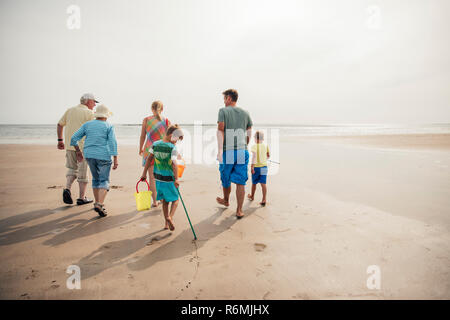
pixel 153 129
pixel 99 146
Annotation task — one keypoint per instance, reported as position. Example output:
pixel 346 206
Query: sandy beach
pixel 336 206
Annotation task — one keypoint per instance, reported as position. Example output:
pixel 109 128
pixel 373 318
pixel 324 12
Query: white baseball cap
pixel 88 96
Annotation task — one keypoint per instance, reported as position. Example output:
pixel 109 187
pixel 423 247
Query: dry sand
pixel 335 207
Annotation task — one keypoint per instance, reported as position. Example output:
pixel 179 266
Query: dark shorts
pixel 234 167
pixel 260 175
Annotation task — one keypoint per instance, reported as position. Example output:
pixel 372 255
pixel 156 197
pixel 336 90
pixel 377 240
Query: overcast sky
pixel 304 62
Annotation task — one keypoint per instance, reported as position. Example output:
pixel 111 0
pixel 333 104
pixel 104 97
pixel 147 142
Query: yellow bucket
pixel 143 198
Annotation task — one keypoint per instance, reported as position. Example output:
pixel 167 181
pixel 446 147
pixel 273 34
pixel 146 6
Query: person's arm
pixel 268 152
pixel 78 153
pixel 142 138
pixel 175 173
pixel 77 136
pixel 59 133
pixel 148 164
pixel 253 161
pixel 174 157
pixel 112 144
pixel 220 138
pixel 220 134
pixel 249 134
pixel 249 128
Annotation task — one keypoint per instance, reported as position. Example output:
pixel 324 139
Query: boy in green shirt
pixel 165 171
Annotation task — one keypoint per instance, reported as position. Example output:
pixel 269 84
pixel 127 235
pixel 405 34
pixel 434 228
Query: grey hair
pixel 83 101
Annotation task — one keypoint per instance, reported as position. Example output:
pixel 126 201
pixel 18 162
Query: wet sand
pixel 335 207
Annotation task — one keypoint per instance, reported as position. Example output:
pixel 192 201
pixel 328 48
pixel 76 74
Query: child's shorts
pixel 100 170
pixel 260 175
pixel 166 191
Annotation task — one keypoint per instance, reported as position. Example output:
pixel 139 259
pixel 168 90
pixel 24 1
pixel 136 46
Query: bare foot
pixel 239 214
pixel 170 223
pixel 222 202
pixel 166 227
pixel 250 197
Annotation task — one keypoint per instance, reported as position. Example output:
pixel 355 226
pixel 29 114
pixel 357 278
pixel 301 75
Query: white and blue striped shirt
pixel 100 140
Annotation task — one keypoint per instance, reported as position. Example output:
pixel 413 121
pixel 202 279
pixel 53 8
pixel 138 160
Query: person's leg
pixel 93 166
pixel 169 221
pixel 96 194
pixel 226 197
pixel 104 168
pixel 71 175
pixel 69 181
pixel 173 207
pixel 102 195
pixel 263 181
pixel 82 186
pixel 239 176
pixel 225 169
pixel 165 209
pixel 251 196
pixel 240 195
pixel 152 183
pixel 264 193
pixel 82 179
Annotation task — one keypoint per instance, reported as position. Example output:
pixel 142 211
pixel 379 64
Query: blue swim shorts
pixel 166 191
pixel 260 175
pixel 234 167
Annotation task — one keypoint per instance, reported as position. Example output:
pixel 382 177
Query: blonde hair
pixel 157 108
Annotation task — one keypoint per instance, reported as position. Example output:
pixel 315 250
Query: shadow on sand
pixel 115 253
pixel 64 228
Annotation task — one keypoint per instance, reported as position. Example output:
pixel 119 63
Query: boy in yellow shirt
pixel 260 154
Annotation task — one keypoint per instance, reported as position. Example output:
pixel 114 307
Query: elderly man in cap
pixel 73 119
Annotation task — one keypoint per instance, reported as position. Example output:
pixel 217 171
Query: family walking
pixel 90 140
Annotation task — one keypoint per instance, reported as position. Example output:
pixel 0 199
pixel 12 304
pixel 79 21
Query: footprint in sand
pixel 116 187
pixel 34 274
pixel 54 187
pixel 260 247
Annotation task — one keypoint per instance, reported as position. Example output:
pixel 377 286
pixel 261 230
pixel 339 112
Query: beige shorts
pixel 75 168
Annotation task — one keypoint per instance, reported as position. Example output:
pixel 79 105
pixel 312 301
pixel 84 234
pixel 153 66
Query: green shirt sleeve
pixel 221 117
pixel 249 121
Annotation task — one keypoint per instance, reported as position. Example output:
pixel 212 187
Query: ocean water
pixel 128 134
